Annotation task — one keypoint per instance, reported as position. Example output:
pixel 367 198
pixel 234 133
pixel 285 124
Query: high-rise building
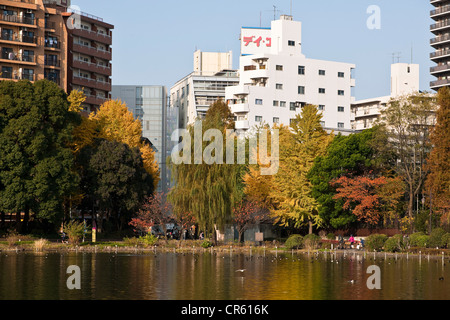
pixel 194 94
pixel 405 79
pixel 440 43
pixel 150 105
pixel 39 40
pixel 276 80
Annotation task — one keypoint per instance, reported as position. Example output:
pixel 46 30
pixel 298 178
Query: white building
pixel 276 79
pixel 405 79
pixel 194 94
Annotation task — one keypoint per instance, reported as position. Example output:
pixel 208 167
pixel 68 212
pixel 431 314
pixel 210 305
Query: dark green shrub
pixel 394 244
pixel 311 241
pixel 436 238
pixel 376 242
pixel 414 239
pixel 294 242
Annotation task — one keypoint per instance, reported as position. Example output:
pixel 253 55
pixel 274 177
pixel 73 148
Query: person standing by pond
pixel 352 241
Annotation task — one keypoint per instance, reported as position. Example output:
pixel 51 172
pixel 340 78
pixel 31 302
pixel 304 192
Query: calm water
pixel 170 276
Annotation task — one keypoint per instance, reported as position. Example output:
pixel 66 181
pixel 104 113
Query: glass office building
pixel 150 105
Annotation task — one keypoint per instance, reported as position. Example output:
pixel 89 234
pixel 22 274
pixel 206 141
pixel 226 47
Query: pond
pixel 222 276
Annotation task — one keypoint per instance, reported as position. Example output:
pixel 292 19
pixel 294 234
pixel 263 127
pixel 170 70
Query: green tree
pixel 406 122
pixel 35 158
pixel 292 189
pixel 349 156
pixel 114 178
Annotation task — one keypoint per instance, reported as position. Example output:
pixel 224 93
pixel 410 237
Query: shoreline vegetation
pixel 198 247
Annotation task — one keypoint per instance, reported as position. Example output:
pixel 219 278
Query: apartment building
pixel 405 79
pixel 276 80
pixel 194 94
pixel 440 43
pixel 37 42
pixel 149 104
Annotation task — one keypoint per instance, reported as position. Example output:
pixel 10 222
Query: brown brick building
pixel 38 40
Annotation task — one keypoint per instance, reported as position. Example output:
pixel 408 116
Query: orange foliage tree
pixel 370 199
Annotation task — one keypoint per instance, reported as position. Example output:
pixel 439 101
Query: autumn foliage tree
pixel 292 188
pixel 371 199
pixel 438 181
pixel 115 122
pixel 247 214
pixel 155 211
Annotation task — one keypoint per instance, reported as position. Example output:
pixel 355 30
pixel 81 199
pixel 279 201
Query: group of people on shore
pixel 354 244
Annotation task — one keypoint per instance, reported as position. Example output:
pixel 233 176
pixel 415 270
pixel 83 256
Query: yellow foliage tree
pixel 115 122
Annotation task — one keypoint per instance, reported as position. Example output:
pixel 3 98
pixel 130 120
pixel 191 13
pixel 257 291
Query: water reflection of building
pixel 150 105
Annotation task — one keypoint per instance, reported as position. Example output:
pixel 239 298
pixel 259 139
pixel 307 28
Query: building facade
pixel 194 94
pixel 440 43
pixel 276 80
pixel 39 40
pixel 405 79
pixel 150 105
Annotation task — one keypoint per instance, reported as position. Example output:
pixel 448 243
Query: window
pixel 292 106
pixel 279 68
pixel 321 72
pixel 341 92
pixel 341 75
pixel 279 86
pixel 258 101
pixel 283 104
pixel 340 125
pixel 301 90
pixel 301 70
pixel 258 119
pixel 187 89
pixel 321 107
pixel 291 43
pixel 341 109
pixel 322 90
pixel 276 120
pixel 276 103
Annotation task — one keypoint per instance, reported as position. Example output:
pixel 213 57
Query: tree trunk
pixel 310 227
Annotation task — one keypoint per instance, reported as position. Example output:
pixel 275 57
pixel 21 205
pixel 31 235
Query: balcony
pixel 440 25
pixel 18 59
pixel 92 83
pixel 440 11
pixel 92 51
pixel 240 108
pixel 23 39
pixel 439 83
pixel 17 77
pixel 242 125
pixel 14 19
pixel 95 100
pixel 92 67
pixel 92 35
pixel 439 69
pixel 52 63
pixel 440 39
pixel 440 54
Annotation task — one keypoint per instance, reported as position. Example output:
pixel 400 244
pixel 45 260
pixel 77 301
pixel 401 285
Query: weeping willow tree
pixel 205 184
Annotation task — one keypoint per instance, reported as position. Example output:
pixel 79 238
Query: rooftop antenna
pixel 291 8
pixel 274 12
pixel 396 55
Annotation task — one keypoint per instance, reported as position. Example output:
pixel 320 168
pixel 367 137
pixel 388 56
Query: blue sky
pixel 154 41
